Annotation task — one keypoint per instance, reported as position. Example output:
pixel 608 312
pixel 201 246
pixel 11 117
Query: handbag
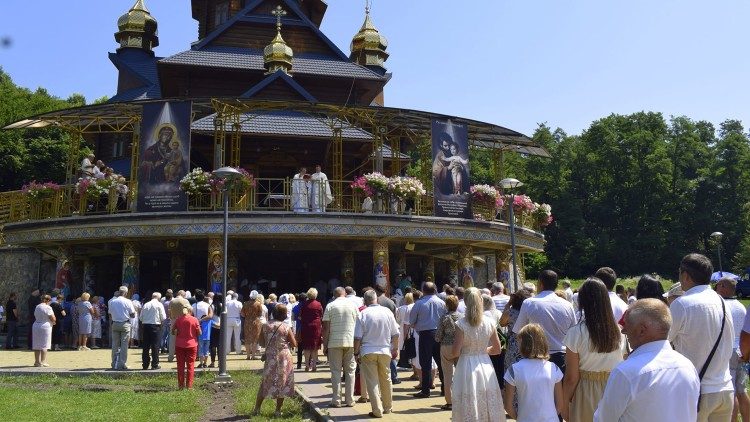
pixel 713 350
pixel 410 348
pixel 265 352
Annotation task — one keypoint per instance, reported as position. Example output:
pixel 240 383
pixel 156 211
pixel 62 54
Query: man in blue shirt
pixel 424 319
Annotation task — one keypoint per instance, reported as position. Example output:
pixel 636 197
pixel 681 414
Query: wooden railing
pixel 267 195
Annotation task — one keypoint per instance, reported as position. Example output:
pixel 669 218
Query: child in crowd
pixel 537 381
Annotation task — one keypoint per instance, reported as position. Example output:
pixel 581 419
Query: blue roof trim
pixel 284 77
pixel 249 7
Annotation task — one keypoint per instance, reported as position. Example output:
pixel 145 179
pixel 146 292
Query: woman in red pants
pixel 186 330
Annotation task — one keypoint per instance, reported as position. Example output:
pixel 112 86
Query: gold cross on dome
pixel 279 13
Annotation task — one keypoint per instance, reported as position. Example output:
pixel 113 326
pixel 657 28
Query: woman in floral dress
pixel 278 370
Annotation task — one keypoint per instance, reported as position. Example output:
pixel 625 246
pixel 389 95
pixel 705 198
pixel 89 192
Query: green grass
pixel 631 282
pixel 67 404
pixel 628 282
pixel 48 396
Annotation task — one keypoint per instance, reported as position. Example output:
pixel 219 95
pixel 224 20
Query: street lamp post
pixel 510 184
pixel 717 236
pixel 228 174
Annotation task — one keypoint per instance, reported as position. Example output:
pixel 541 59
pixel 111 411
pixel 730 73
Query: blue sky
pixel 515 63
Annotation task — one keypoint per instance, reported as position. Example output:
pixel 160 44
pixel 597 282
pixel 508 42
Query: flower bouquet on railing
pixel 377 182
pixel 196 182
pixel 486 201
pixel 91 188
pixel 542 216
pixel 406 187
pixel 360 187
pixel 523 208
pixel 36 191
pixel 245 182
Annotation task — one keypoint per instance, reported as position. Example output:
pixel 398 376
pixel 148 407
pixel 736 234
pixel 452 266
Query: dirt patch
pixel 221 407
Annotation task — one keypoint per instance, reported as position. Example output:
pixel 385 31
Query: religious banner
pixel 164 157
pixel 450 169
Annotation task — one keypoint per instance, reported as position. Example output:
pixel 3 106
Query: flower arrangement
pixel 39 191
pixel 377 182
pixel 486 195
pixel 361 187
pixel 245 182
pixel 95 188
pixel 405 187
pixel 522 204
pixel 542 215
pixel 196 182
pixel 199 181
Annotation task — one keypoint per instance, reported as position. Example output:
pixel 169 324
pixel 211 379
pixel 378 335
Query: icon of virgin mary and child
pixel 163 161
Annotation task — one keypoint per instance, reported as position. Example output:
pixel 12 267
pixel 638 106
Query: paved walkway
pixel 316 386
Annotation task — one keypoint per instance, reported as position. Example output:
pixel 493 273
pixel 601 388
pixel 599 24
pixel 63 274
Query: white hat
pixel 253 294
pixel 230 292
pixel 676 290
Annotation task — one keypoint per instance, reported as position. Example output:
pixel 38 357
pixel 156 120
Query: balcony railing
pixel 267 195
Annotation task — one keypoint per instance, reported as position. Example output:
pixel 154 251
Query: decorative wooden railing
pixel 267 195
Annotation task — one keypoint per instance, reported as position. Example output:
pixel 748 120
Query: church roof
pixel 285 123
pixel 285 78
pixel 246 59
pixel 141 67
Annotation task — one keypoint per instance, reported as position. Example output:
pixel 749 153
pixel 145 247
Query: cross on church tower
pixel 279 13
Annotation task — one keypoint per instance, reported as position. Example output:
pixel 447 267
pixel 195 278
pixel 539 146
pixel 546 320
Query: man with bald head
pixel 424 318
pixel 655 383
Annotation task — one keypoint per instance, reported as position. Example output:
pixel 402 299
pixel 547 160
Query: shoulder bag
pixel 713 350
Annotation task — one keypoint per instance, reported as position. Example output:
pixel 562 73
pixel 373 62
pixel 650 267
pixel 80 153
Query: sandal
pixel 447 406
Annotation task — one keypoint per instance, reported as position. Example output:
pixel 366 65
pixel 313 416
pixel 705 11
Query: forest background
pixel 635 192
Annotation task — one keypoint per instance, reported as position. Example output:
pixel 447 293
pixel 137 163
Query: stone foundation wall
pixel 19 272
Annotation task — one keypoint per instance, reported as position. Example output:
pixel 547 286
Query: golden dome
pixel 368 46
pixel 278 55
pixel 137 28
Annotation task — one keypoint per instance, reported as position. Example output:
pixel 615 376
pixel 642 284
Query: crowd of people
pixel 542 353
pixel 559 354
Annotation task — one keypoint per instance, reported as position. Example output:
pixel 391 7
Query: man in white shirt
pixel 376 340
pixel 339 320
pixel 655 383
pixel 696 326
pixel 234 323
pixel 726 288
pixel 152 317
pixel 121 310
pixel 351 295
pixel 553 313
pixel 87 166
pixel 498 296
pixel 609 277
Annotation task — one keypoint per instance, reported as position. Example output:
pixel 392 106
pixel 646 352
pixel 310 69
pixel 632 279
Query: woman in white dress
pixel 476 393
pixel 41 331
pixel 402 318
pixel 134 326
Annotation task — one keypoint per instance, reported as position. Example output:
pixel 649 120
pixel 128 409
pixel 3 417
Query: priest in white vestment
pixel 301 191
pixel 320 195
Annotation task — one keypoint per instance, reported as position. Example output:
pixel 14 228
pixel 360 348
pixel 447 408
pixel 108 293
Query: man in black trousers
pixel 152 318
pixel 424 318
